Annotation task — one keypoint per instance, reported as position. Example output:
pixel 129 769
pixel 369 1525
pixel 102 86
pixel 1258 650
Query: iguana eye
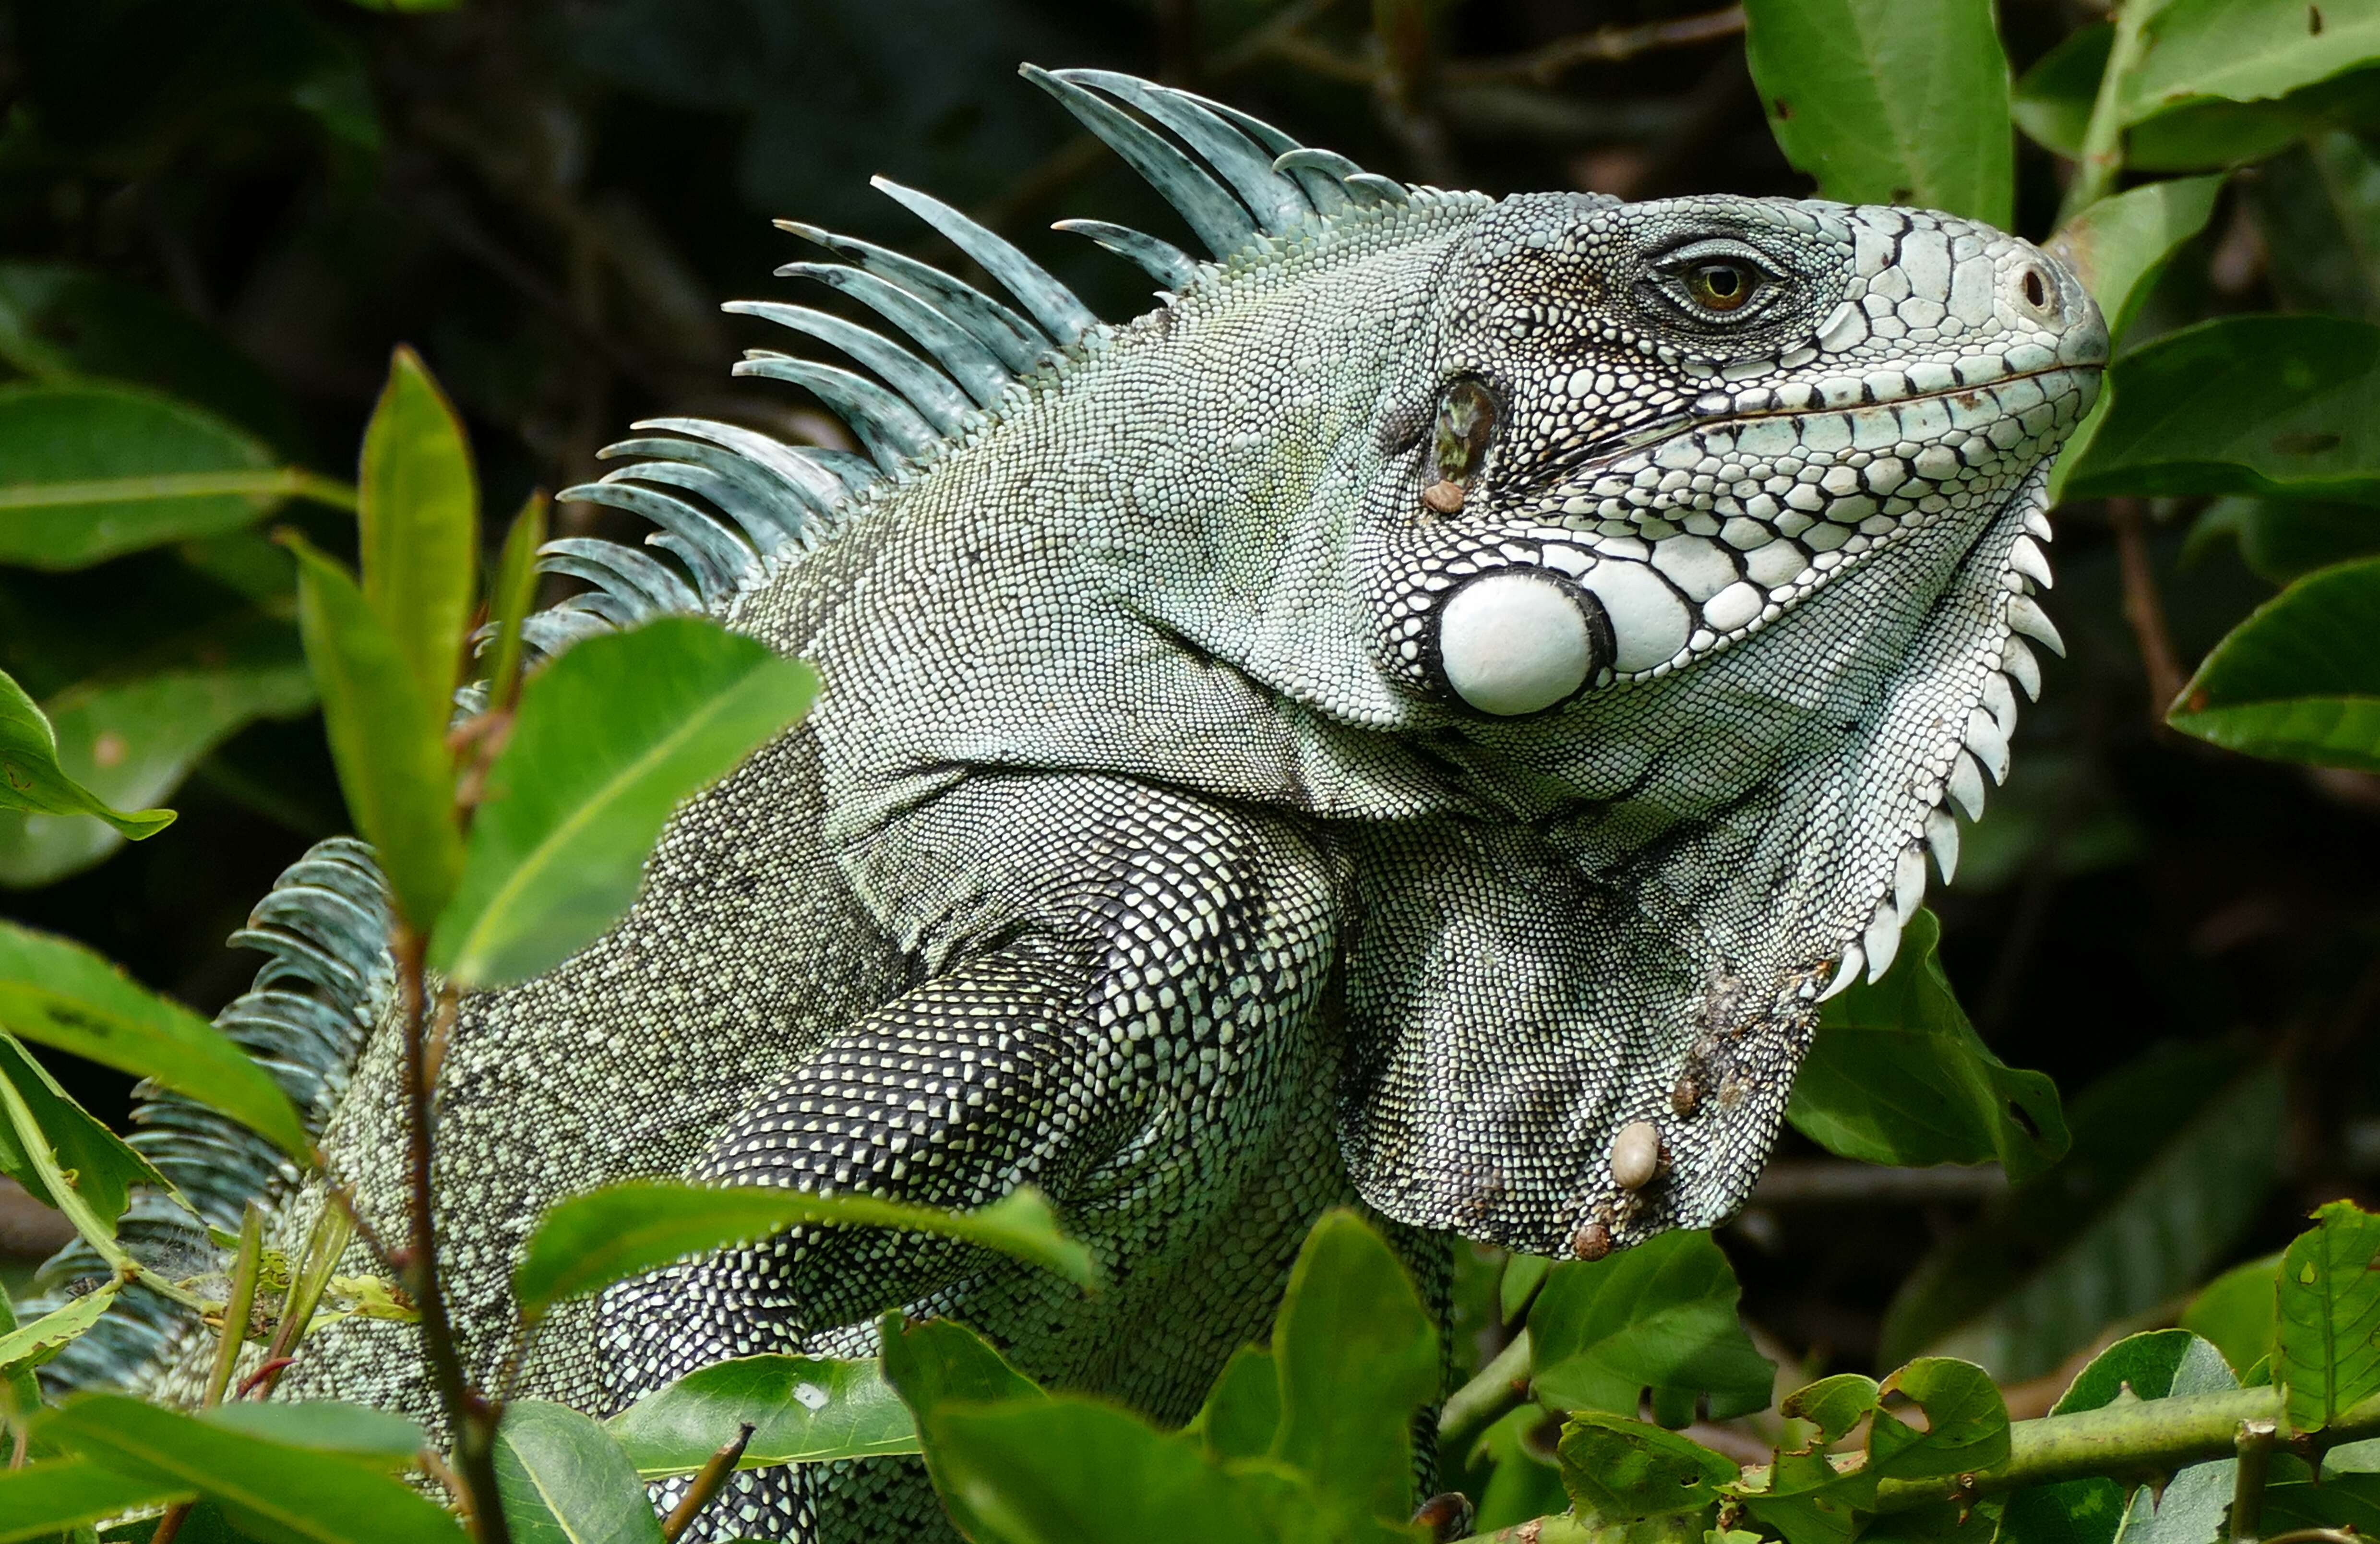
pixel 1721 285
pixel 1466 424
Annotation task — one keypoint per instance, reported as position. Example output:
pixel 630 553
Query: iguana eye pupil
pixel 1721 286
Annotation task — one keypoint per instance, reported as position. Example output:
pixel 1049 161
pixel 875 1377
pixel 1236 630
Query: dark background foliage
pixel 250 201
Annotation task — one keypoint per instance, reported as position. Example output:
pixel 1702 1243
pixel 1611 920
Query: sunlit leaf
pixel 2172 1157
pixel 587 1242
pixel 2299 680
pixel 387 735
pixel 935 1364
pixel 104 1169
pixel 88 470
pixel 44 1501
pixel 276 1491
pixel 1661 1316
pixel 801 1409
pixel 2275 404
pixel 418 506
pixel 33 779
pixel 1889 102
pixel 2119 245
pixel 2326 1353
pixel 2245 52
pixel 59 994
pixel 131 739
pixel 1897 1074
pixel 610 739
pixel 1357 1355
pixel 29 1345
pixel 563 1481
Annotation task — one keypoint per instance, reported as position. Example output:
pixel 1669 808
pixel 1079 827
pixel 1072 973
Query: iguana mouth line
pixel 1601 457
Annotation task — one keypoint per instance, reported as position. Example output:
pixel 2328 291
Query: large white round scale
pixel 1514 642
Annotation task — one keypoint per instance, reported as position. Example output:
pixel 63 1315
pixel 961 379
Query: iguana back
pixel 1455 682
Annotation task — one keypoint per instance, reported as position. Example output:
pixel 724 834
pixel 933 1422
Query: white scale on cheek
pixel 1649 624
pixel 1513 642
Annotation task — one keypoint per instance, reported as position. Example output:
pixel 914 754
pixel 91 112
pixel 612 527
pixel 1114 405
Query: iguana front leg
pixel 1144 1031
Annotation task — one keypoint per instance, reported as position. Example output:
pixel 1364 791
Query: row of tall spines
pixel 729 503
pixel 323 930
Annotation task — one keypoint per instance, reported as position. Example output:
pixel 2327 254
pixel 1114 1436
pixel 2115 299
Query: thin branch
pixel 239 1305
pixel 1498 1390
pixel 470 1419
pixel 2143 609
pixel 707 1484
pixel 2254 1443
pixel 2103 140
pixel 1542 66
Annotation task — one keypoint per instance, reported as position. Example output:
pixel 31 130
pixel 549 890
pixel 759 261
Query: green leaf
pixel 2282 540
pixel 1074 1471
pixel 801 1409
pixel 2052 101
pixel 2319 205
pixel 610 739
pixel 388 737
pixel 512 597
pixel 2245 52
pixel 2119 245
pixel 61 320
pixel 32 778
pixel 1660 1316
pixel 44 1499
pixel 934 1361
pixel 276 1491
pixel 381 1438
pixel 587 1242
pixel 2297 681
pixel 1356 1355
pixel 1899 1076
pixel 563 1481
pixel 130 740
pixel 2235 1312
pixel 1889 102
pixel 1241 1415
pixel 2326 1353
pixel 2157 1364
pixel 936 1364
pixel 1966 1423
pixel 64 1138
pixel 2339 1501
pixel 92 470
pixel 1619 1470
pixel 417 505
pixel 2286 405
pixel 1833 1405
pixel 2172 1157
pixel 29 1345
pixel 59 994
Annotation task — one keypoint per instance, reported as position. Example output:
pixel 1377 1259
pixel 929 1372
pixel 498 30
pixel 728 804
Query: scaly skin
pixel 1440 691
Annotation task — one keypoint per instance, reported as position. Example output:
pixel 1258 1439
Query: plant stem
pixel 707 1484
pixel 470 1419
pixel 2139 1439
pixel 239 1305
pixel 2144 609
pixel 2103 142
pixel 2255 1443
pixel 1500 1388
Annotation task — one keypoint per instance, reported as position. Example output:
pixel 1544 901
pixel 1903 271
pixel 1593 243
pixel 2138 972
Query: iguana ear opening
pixel 1468 417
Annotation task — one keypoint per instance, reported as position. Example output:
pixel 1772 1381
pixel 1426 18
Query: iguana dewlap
pixel 1457 681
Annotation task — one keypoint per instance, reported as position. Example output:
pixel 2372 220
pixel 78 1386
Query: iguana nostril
pixel 1519 640
pixel 2036 292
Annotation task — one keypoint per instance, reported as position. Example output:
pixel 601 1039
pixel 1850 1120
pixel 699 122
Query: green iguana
pixel 1423 715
